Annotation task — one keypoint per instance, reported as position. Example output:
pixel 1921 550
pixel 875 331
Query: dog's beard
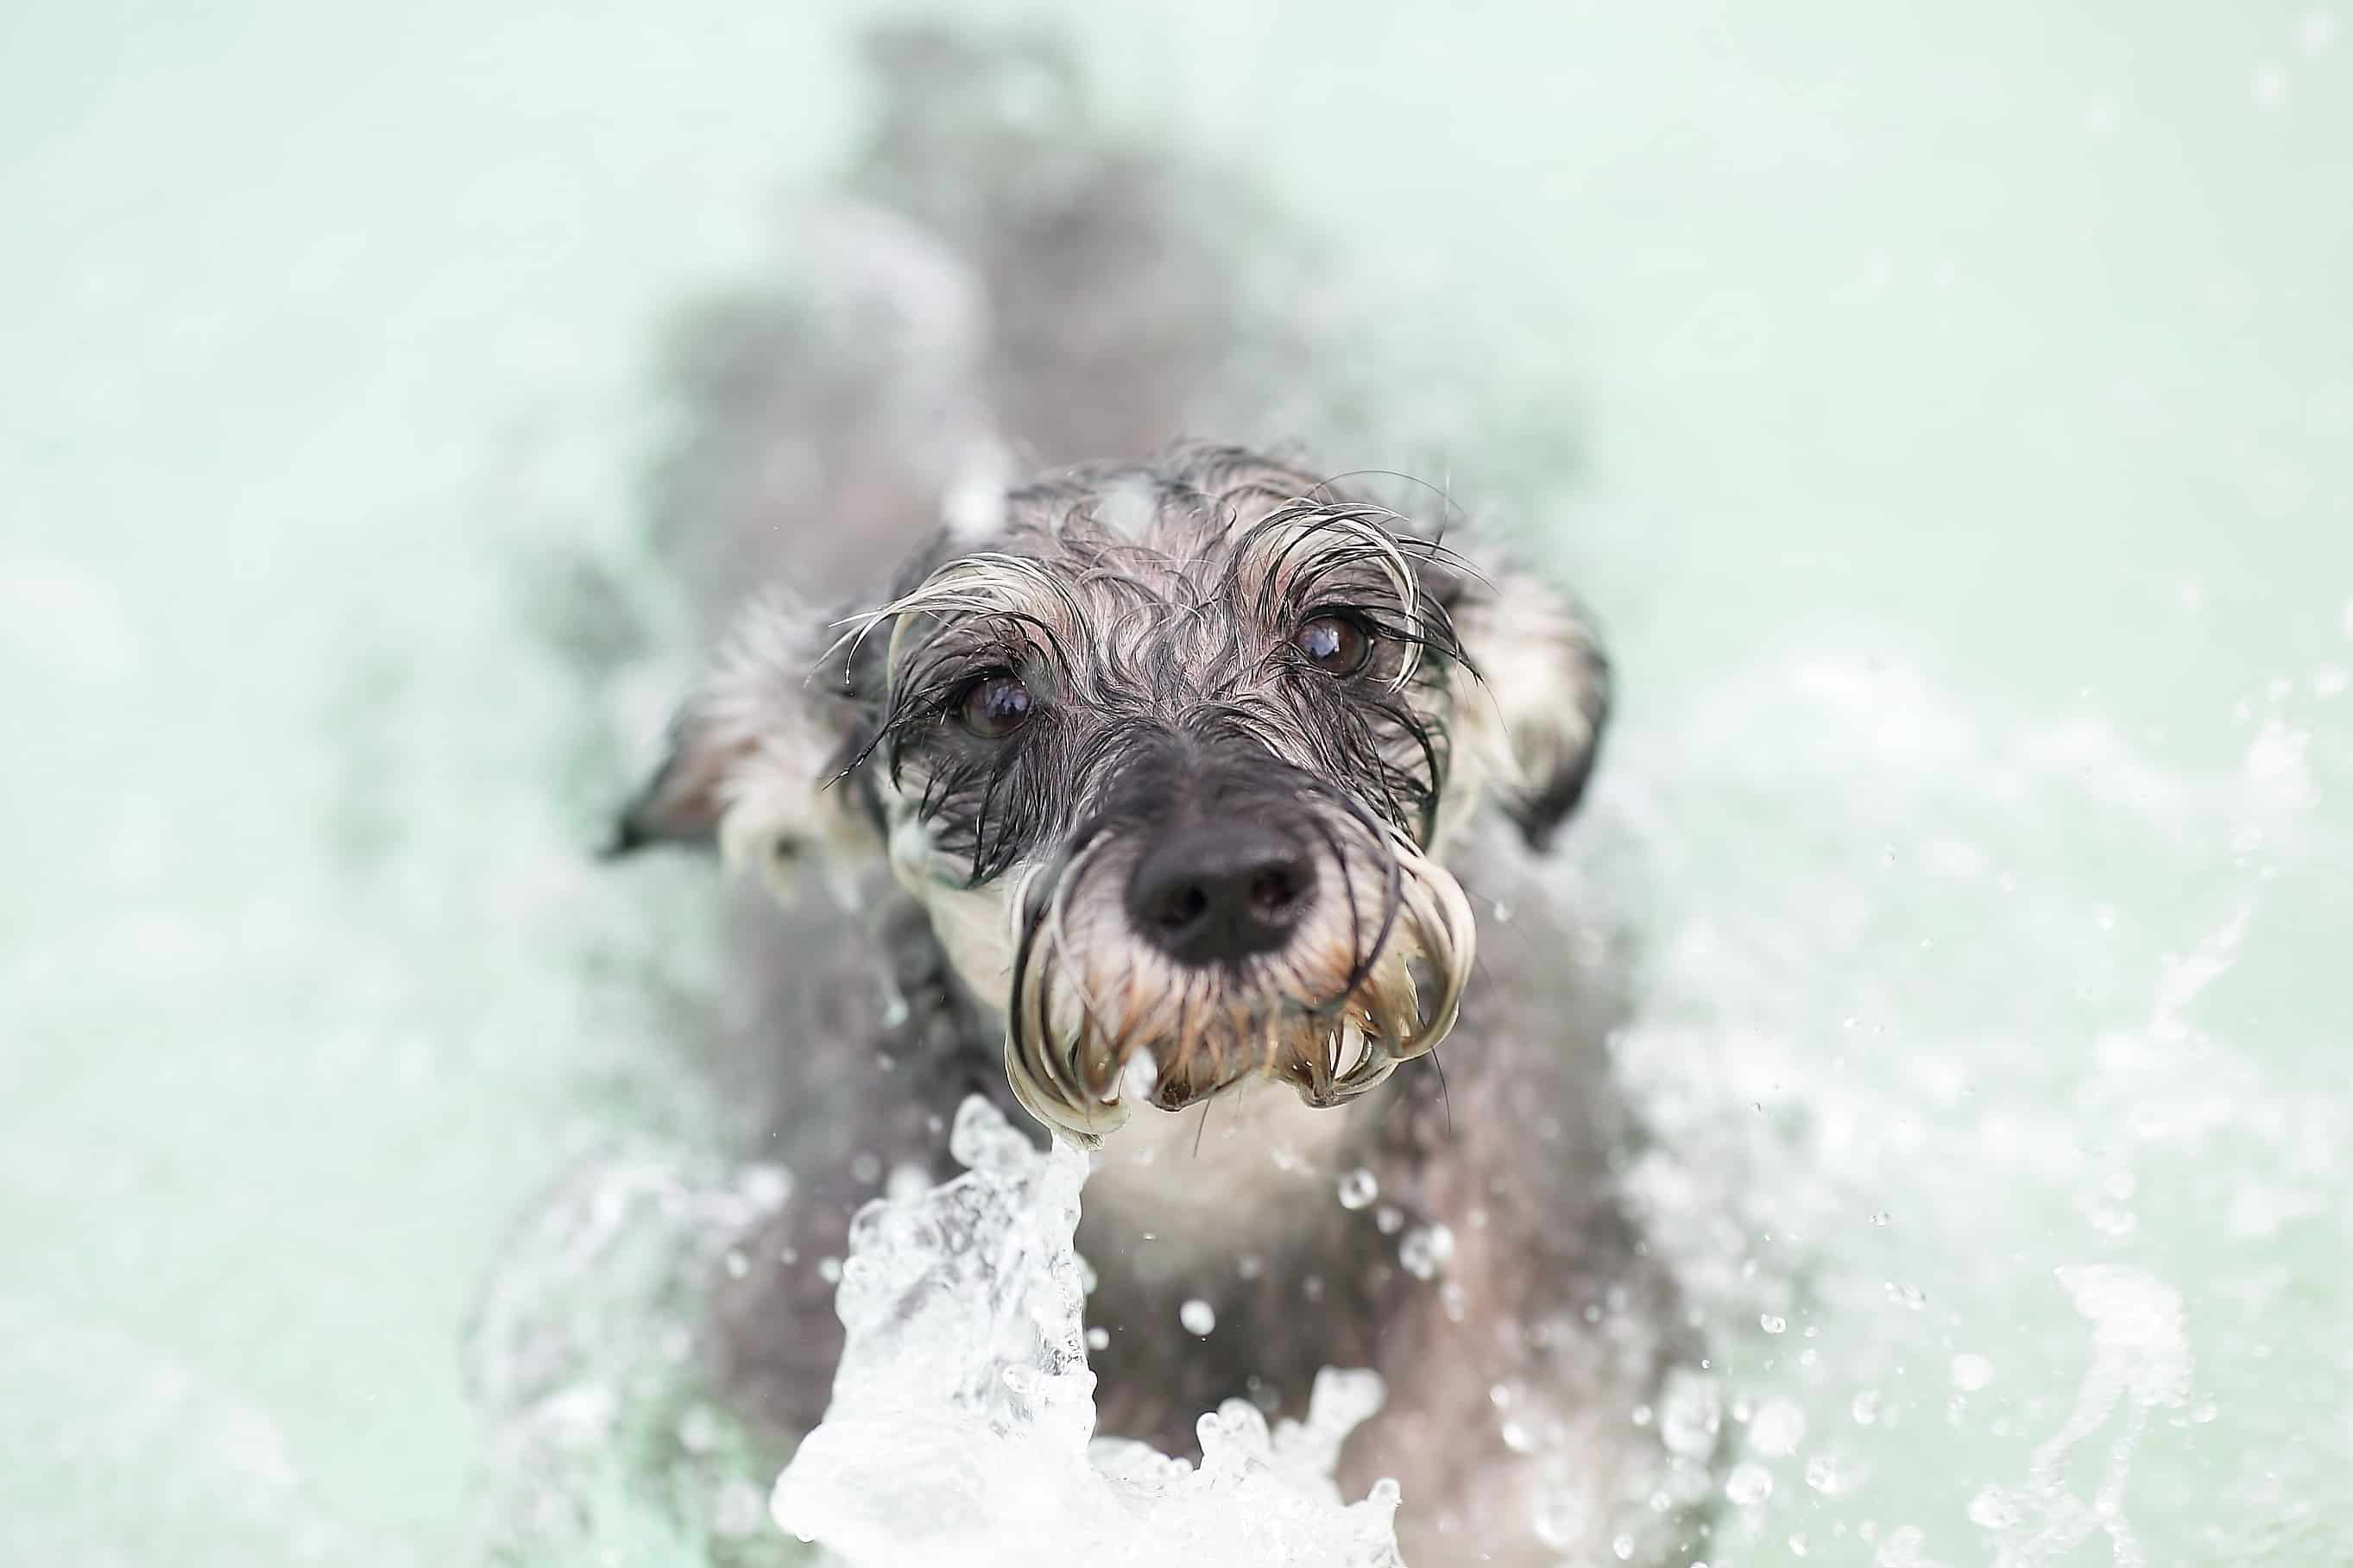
pixel 1097 1018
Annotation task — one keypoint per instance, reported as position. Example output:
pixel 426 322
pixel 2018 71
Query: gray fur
pixel 1053 305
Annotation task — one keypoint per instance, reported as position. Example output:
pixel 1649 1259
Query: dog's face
pixel 1171 756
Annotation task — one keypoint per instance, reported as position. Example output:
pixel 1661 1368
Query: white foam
pixel 959 1431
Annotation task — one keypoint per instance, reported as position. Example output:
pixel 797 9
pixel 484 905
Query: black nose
pixel 1222 892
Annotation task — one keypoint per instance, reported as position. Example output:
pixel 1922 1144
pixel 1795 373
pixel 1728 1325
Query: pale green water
pixel 1967 404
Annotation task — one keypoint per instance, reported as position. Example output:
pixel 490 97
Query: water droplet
pixel 1388 1220
pixel 1993 1509
pixel 865 1170
pixel 1772 1323
pixel 766 1187
pixel 1139 1078
pixel 1865 1408
pixel 829 1270
pixel 1358 1188
pixel 739 1510
pixel 1778 1428
pixel 1561 1520
pixel 1832 1475
pixel 1426 1250
pixel 1197 1316
pixel 1691 1413
pixel 1971 1373
pixel 698 1430
pixel 1098 1338
pixel 1749 1483
pixel 1623 1548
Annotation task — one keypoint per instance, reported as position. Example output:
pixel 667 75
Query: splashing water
pixel 1928 1017
pixel 1838 1165
pixel 2140 1358
pixel 959 1430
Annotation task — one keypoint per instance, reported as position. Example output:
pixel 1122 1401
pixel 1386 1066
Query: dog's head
pixel 1171 755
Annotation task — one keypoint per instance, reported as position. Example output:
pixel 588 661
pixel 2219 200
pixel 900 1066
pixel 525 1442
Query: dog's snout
pixel 1217 892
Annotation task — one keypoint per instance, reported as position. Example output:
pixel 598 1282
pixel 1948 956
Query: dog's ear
pixel 757 754
pixel 1539 697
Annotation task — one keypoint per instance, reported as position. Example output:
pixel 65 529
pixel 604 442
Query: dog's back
pixel 1002 287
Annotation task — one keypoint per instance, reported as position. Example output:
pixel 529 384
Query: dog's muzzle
pixel 1316 944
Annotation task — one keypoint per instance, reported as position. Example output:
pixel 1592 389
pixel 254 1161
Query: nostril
pixel 1273 890
pixel 1181 905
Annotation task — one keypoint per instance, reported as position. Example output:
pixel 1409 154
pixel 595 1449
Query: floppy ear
pixel 1541 700
pixel 756 754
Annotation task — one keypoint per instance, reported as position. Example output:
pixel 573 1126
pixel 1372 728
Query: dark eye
pixel 996 704
pixel 1333 643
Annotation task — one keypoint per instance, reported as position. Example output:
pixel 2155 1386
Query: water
pixel 960 1428
pixel 1959 406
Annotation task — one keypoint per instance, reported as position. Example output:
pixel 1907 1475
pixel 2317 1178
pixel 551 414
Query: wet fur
pixel 1050 306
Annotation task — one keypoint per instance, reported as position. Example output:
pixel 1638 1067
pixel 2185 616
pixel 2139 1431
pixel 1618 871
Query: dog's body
pixel 988 761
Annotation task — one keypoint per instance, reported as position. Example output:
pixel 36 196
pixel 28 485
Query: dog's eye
pixel 1333 643
pixel 996 704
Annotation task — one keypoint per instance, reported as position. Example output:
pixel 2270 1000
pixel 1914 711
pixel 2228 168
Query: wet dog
pixel 1192 804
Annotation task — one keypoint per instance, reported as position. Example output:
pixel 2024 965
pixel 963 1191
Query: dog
pixel 1191 806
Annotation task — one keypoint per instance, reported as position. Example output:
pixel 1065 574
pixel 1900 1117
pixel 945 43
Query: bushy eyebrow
pixel 1190 616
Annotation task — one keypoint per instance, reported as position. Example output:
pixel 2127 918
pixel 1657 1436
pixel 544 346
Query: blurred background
pixel 1948 410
